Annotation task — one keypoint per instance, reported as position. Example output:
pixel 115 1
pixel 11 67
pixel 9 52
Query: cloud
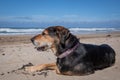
pixel 64 19
pixel 35 18
pixel 23 18
pixel 46 18
pixel 45 21
pixel 15 18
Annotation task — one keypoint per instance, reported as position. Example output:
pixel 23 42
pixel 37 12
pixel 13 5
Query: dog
pixel 73 57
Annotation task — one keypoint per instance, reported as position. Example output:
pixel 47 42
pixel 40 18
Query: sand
pixel 16 51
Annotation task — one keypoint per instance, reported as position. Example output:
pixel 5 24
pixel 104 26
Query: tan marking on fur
pixel 51 66
pixel 47 39
pixel 45 31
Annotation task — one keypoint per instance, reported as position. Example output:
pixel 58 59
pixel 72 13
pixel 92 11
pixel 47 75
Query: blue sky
pixel 86 13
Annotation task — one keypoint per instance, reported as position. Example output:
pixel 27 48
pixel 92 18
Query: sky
pixel 81 13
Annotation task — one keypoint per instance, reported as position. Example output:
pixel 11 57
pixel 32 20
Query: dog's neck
pixel 69 51
pixel 67 48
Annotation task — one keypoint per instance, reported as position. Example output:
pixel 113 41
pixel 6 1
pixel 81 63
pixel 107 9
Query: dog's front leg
pixel 51 66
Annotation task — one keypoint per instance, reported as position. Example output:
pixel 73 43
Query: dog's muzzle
pixel 38 47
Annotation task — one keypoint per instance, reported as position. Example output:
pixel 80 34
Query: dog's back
pixel 88 58
pixel 101 56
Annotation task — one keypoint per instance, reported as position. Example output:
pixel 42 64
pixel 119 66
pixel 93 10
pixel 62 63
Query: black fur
pixel 85 59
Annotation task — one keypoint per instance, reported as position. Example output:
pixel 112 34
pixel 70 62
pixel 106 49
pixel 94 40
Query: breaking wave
pixel 13 31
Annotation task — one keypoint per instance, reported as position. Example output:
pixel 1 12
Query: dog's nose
pixel 32 39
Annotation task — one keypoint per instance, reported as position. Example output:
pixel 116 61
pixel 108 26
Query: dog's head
pixel 51 37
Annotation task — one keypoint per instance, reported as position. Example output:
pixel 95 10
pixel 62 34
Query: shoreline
pixel 75 30
pixel 25 39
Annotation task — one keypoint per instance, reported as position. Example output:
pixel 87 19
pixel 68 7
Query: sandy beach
pixel 17 51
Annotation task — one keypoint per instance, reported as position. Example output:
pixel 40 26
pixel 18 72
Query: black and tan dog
pixel 73 57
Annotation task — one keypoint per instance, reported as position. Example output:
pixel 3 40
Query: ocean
pixel 74 30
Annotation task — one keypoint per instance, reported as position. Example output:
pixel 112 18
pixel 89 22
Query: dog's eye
pixel 43 33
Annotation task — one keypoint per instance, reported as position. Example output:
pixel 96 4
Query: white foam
pixel 19 30
pixel 11 31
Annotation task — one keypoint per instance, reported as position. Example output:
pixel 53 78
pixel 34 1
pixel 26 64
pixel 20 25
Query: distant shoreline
pixel 76 30
pixel 13 39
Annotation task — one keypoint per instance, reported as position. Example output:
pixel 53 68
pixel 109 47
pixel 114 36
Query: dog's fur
pixel 85 59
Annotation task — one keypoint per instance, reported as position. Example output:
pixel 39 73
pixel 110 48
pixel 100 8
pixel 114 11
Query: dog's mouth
pixel 42 48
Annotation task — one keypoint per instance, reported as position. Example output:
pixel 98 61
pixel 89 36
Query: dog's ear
pixel 63 34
